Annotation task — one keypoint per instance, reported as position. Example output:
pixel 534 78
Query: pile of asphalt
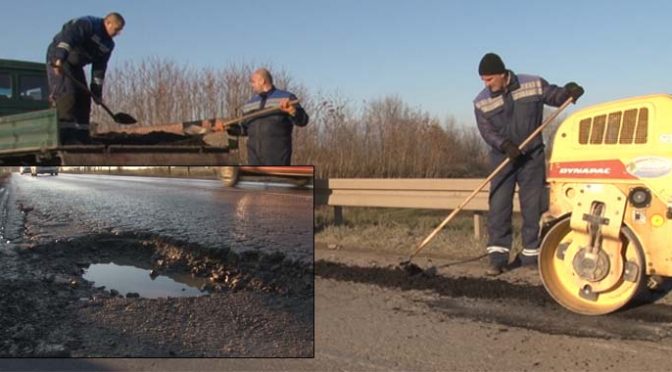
pixel 153 138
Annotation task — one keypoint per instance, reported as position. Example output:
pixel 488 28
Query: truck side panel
pixel 33 130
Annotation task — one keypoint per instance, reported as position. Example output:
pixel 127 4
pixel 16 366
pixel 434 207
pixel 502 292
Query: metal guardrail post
pixel 478 224
pixel 338 215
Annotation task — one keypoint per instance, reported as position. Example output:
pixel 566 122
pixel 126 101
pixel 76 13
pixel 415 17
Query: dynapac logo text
pixel 605 171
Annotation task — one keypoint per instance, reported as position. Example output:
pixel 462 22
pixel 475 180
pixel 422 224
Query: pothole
pixel 132 281
pixel 127 262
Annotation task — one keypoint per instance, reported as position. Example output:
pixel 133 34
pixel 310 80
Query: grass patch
pixel 399 231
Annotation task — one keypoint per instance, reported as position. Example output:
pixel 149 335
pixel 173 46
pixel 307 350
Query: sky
pixel 426 52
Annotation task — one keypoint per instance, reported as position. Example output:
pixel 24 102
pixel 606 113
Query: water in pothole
pixel 130 279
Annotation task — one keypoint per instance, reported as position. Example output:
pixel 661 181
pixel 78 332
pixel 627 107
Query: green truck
pixel 29 131
pixel 23 87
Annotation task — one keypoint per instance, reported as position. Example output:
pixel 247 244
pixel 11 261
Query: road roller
pixel 608 229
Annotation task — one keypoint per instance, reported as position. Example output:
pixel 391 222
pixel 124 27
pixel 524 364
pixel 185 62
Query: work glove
pixel 236 131
pixel 575 90
pixel 511 150
pixel 97 92
pixel 285 106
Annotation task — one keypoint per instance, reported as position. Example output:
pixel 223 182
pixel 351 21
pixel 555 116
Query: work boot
pixel 528 261
pixel 522 262
pixel 498 263
pixel 528 257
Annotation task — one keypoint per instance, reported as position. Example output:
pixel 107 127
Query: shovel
pixel 196 127
pixel 412 268
pixel 120 118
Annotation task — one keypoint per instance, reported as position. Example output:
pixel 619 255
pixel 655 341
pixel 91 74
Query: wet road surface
pixel 67 239
pixel 251 217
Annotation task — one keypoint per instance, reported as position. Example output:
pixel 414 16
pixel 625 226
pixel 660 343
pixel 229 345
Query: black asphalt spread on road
pixel 515 305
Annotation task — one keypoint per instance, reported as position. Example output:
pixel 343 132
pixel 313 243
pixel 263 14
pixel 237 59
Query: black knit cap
pixel 491 64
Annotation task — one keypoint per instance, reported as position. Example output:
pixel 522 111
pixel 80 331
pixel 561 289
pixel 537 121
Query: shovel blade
pixel 124 118
pixel 410 268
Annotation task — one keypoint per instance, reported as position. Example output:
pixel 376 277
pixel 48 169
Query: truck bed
pixel 32 139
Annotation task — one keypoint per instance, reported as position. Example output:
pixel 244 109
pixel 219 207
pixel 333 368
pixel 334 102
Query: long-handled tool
pixel 120 117
pixel 197 127
pixel 412 268
pixel 213 126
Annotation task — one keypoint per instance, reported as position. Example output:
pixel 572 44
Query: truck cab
pixel 23 87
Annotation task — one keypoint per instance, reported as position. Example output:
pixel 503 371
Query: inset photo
pixel 169 261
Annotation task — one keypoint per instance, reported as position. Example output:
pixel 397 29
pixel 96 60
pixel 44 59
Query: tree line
pixel 380 138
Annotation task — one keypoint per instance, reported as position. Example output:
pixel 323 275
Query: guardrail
pixel 418 193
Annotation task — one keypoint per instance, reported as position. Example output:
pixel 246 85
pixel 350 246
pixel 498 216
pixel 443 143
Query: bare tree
pixel 382 137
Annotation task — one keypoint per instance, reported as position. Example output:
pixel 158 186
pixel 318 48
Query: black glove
pixel 236 131
pixel 511 150
pixel 97 92
pixel 575 90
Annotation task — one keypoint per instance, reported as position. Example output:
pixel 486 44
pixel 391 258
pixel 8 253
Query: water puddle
pixel 130 279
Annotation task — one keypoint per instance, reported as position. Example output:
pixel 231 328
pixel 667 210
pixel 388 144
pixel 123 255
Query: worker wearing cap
pixel 269 136
pixel 81 41
pixel 508 110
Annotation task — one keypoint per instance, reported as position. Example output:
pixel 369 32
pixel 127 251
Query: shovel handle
pixel 86 89
pixel 255 114
pixel 490 177
pixel 83 87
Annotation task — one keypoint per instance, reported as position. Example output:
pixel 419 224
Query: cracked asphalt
pixel 250 248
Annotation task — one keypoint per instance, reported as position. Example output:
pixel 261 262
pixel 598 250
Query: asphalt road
pixel 247 252
pixel 250 217
pixel 371 317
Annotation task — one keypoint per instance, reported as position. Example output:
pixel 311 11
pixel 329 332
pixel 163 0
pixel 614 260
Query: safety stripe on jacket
pixel 63 45
pixel 532 88
pixel 489 104
pixel 270 102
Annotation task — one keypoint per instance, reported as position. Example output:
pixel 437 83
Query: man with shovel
pixel 508 110
pixel 81 41
pixel 269 136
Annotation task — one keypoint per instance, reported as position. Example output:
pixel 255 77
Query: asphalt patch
pixel 515 305
pixel 398 277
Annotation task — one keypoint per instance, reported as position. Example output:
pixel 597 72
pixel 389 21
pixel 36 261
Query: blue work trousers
pixel 529 172
pixel 72 103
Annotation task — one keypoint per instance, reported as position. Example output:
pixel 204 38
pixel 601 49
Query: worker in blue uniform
pixel 81 41
pixel 269 139
pixel 508 110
